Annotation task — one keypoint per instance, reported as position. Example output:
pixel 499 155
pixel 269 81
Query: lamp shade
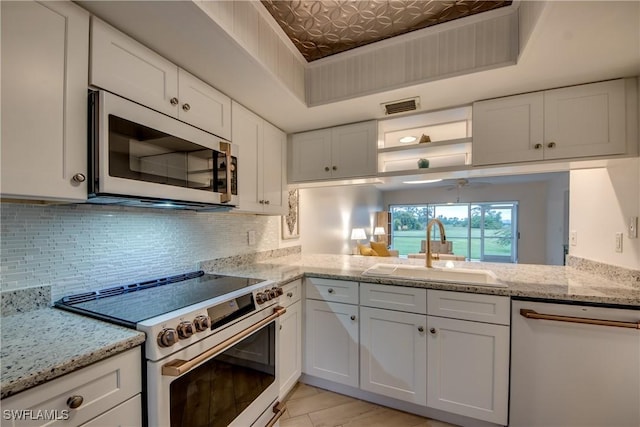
pixel 358 234
pixel 378 231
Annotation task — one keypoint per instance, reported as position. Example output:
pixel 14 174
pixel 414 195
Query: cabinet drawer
pixel 332 290
pixel 128 413
pixel 102 386
pixel 465 306
pixel 411 300
pixel 292 291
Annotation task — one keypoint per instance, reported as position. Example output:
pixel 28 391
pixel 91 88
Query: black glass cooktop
pixel 130 304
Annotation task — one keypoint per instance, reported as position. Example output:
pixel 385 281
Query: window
pixel 478 231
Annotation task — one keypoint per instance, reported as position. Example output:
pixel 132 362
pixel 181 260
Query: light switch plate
pixel 619 242
pixel 573 238
pixel 633 227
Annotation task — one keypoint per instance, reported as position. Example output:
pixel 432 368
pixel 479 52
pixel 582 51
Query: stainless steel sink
pixel 415 272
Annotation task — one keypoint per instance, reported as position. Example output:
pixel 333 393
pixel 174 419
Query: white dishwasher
pixel 574 366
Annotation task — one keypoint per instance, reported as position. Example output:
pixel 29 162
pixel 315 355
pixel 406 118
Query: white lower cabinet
pixel 468 361
pixel 331 341
pixel 393 351
pixel 106 393
pixel 290 344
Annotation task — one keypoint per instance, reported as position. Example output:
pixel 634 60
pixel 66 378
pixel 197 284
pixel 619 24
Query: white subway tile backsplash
pixel 74 248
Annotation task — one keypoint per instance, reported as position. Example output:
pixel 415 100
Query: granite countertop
pixel 522 280
pixel 67 341
pixel 40 345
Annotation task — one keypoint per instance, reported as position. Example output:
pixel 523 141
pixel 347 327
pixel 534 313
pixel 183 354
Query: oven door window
pixel 143 154
pixel 216 392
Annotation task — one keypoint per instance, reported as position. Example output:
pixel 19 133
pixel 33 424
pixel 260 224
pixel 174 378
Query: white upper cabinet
pixel 123 66
pixel 45 54
pixel 262 179
pixel 589 120
pixel 347 151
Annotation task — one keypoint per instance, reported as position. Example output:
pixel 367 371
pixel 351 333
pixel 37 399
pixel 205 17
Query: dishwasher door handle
pixel 532 314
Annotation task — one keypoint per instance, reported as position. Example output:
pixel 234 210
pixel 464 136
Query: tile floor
pixel 309 406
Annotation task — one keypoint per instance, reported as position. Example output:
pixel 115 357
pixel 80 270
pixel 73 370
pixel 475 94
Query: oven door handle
pixel 178 367
pixel 278 409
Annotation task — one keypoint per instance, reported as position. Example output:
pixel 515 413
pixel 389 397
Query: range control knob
pixel 202 323
pixel 167 337
pixel 185 329
pixel 273 293
pixel 262 297
pixel 279 291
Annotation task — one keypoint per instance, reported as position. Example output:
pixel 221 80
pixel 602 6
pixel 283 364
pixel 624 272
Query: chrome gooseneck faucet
pixel 443 239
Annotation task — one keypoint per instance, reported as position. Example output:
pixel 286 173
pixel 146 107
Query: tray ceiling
pixel 322 28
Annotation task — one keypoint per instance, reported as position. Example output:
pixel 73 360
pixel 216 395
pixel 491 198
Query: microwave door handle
pixel 226 148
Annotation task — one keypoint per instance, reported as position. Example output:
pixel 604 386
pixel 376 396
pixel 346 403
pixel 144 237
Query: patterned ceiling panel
pixel 323 28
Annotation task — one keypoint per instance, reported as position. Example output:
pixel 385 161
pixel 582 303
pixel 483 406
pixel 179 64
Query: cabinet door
pixel 290 348
pixel 274 178
pixel 508 130
pixel 331 341
pixel 45 55
pixel 247 129
pixel 123 66
pixel 311 155
pixel 468 368
pixel 385 370
pixel 126 414
pixel 203 106
pixel 586 120
pixel 354 150
pixel 101 386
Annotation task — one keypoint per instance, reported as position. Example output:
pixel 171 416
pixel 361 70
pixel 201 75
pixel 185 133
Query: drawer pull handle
pixel 353 317
pixel 290 294
pixel 74 402
pixel 331 290
pixel 433 331
pixel 420 329
pixel 532 314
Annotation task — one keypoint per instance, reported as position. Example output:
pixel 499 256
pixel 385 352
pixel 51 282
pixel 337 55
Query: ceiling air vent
pixel 401 106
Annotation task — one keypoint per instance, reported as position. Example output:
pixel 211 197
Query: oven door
pixel 138 152
pixel 228 379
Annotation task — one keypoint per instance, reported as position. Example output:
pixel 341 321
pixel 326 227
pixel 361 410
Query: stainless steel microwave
pixel 140 157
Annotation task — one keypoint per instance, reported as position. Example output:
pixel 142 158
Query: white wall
pixel 536 212
pixel 328 214
pixel 602 200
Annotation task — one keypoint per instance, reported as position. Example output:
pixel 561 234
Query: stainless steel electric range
pixel 211 346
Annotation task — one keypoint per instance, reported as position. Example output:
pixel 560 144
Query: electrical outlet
pixel 633 227
pixel 251 236
pixel 619 242
pixel 573 238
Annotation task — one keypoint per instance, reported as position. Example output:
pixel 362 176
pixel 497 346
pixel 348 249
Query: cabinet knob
pixel 174 101
pixel 353 317
pixel 420 329
pixel 335 168
pixel 331 290
pixel 79 177
pixel 186 107
pixel 551 144
pixel 290 294
pixel 280 327
pixel 433 331
pixel 261 202
pixel 75 401
pixel 537 146
pixel 326 169
pixel 266 202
